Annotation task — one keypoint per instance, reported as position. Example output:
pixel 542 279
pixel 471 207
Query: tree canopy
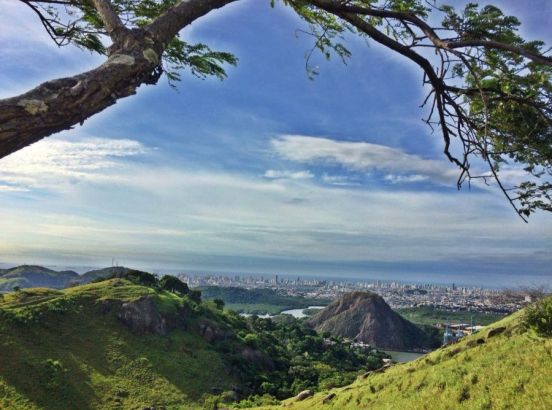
pixel 488 89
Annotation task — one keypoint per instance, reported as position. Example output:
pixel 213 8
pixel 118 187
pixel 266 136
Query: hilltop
pixel 506 365
pixel 366 317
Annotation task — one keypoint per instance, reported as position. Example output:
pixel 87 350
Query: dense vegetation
pixel 258 301
pixel 539 317
pixel 506 365
pixel 302 358
pixel 427 315
pixel 134 341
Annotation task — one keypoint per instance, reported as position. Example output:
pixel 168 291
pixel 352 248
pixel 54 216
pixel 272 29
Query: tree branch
pixel 168 24
pixel 339 7
pixel 60 104
pixel 113 24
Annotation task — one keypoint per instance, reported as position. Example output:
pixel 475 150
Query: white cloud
pixel 340 180
pixel 151 210
pixel 275 174
pixel 396 179
pixel 11 188
pixel 54 162
pixel 361 156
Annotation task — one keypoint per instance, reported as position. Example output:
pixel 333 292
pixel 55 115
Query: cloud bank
pixel 102 198
pixel 394 163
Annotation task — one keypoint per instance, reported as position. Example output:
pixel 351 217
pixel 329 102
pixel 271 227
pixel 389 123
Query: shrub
pixel 173 284
pixel 54 372
pixel 135 276
pixel 195 295
pixel 539 317
pixel 219 303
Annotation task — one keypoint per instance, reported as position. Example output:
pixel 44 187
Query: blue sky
pixel 267 171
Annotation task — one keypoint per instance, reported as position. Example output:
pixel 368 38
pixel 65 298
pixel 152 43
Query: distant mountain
pixel 32 276
pixel 102 273
pixel 366 317
pixel 27 276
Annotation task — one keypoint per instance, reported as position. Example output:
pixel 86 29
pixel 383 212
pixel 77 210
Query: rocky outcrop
pixel 328 398
pixel 495 331
pixel 142 317
pixel 303 395
pixel 258 358
pixel 211 332
pixel 366 317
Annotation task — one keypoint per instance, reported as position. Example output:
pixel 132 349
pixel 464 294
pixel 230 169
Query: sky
pixel 267 171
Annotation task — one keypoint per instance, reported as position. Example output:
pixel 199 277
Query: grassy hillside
pixel 59 351
pixel 129 343
pixel 508 370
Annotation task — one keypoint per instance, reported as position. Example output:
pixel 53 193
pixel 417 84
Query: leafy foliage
pixel 79 23
pixel 302 358
pixel 539 317
pixel 173 284
pixel 491 91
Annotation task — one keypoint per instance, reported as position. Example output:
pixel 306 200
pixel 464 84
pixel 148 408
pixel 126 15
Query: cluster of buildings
pixel 396 294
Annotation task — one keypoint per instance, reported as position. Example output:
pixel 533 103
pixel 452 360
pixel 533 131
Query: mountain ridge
pixel 33 276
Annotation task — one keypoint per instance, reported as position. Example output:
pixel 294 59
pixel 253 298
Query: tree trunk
pixel 60 104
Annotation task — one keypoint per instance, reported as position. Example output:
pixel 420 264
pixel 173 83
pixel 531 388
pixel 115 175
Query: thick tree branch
pixel 168 24
pixel 333 6
pixel 134 60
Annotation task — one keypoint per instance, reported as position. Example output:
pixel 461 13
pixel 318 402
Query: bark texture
pixel 133 59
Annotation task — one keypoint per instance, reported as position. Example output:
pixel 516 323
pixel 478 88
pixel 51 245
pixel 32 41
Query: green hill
pixel 26 276
pixel 102 273
pixel 128 343
pixel 505 366
pixel 69 349
pixel 32 276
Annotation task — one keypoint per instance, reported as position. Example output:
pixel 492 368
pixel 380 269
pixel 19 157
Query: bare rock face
pixel 328 398
pixel 142 317
pixel 366 317
pixel 211 332
pixel 303 395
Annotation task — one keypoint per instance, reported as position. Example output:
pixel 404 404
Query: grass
pixel 257 308
pixel 507 371
pixel 58 351
pixel 64 350
pixel 431 316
